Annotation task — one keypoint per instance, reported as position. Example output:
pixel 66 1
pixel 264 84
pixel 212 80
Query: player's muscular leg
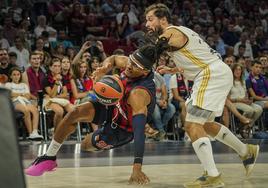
pixel 212 128
pixel 82 113
pixel 194 130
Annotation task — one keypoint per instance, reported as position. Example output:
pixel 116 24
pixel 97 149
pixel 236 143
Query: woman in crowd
pixel 239 97
pixel 56 98
pixel 82 85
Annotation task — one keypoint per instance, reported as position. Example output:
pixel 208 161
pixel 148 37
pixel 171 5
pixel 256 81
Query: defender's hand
pixel 138 176
pixel 162 69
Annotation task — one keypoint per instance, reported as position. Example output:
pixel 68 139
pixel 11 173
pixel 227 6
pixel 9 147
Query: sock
pixel 34 131
pixel 203 150
pixel 53 148
pixel 228 138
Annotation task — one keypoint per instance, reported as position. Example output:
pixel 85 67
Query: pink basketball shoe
pixel 41 165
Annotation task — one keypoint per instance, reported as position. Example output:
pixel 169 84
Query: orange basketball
pixel 108 90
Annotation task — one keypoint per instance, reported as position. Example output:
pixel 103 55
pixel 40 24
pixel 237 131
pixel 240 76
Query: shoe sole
pixel 36 139
pixel 199 186
pixel 250 168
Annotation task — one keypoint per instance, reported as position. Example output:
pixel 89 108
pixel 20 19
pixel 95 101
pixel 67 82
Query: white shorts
pixel 198 115
pixel 211 87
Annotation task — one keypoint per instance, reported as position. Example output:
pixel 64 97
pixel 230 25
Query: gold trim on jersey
pixel 206 75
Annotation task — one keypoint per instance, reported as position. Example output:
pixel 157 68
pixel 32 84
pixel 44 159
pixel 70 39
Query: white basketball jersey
pixel 195 55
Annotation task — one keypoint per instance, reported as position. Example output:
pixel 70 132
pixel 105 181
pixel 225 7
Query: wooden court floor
pixel 167 164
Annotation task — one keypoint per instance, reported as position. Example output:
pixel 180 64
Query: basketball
pixel 108 90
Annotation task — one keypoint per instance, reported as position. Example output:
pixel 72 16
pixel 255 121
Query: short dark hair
pixel 160 11
pixel 33 53
pixel 242 46
pixel 255 62
pixel 12 54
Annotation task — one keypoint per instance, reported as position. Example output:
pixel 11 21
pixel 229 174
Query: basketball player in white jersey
pixel 212 82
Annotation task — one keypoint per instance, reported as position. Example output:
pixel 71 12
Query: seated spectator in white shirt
pixel 239 97
pixel 22 54
pixel 21 100
pixel 3 41
pixel 42 26
pixel 133 20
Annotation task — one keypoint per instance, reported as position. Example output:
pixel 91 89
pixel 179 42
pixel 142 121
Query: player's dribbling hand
pixel 138 177
pixel 100 72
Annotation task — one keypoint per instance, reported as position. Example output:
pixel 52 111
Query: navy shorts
pixel 109 135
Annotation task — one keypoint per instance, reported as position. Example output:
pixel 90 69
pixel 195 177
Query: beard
pixel 152 35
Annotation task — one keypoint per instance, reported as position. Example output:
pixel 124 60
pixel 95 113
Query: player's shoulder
pixel 173 30
pixel 176 37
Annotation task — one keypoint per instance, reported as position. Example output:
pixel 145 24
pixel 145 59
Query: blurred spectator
pixel 164 110
pixel 39 44
pixel 260 37
pixel 257 85
pixel 133 20
pixel 81 83
pixel 109 8
pixel 34 76
pixel 181 90
pixel 22 54
pixel 45 59
pixel 124 27
pixel 3 41
pixel 42 26
pixel 24 39
pixel 254 45
pixel 9 32
pixel 239 96
pixel 239 24
pixel 219 44
pixel 76 22
pixel 15 11
pixel 21 100
pixel 112 30
pixel 62 38
pixel 248 50
pixel 12 58
pixel 39 8
pixel 263 8
pixel 240 52
pixel 66 74
pixel 56 97
pixel 264 62
pixel 186 11
pixel 229 52
pixel 229 61
pixel 70 52
pixel 5 65
pixel 94 64
pixel 204 18
pixel 59 51
pixel 45 37
pixel 92 23
pixel 95 7
pixel 229 36
pixel 57 11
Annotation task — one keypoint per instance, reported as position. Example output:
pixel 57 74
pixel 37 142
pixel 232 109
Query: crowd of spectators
pixel 57 44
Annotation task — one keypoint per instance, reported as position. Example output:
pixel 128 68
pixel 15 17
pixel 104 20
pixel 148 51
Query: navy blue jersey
pixel 122 113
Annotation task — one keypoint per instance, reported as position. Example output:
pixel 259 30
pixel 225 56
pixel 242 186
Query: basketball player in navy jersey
pixel 120 123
